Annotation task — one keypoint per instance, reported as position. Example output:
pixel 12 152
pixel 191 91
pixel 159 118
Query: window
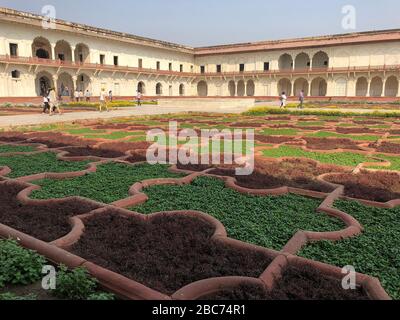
pixel 170 66
pixel 102 59
pixel 15 74
pixel 13 49
pixel 140 63
pixel 61 57
pixel 81 57
pixel 82 77
pixel 219 68
pixel 181 68
pixel 202 69
pixel 326 63
pixel 158 65
pixel 241 67
pixel 191 69
pixel 115 60
pixel 266 66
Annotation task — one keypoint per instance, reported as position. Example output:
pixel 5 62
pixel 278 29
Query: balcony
pixel 34 61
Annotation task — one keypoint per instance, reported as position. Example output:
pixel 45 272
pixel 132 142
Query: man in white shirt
pixel 103 102
pixel 283 100
pixel 139 98
pixel 76 95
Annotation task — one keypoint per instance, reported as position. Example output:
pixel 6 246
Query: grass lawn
pixel 376 252
pixel 341 158
pixel 266 221
pixel 26 165
pixel 110 183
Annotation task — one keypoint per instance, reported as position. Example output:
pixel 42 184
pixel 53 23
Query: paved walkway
pixel 39 119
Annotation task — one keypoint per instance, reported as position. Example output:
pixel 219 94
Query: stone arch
pixel 82 53
pixel 319 87
pixel 202 89
pixel 63 51
pixel 65 85
pixel 285 85
pixel 83 82
pixel 300 84
pixel 232 88
pixel 362 87
pixel 391 87
pixel 241 88
pixel 159 89
pixel 181 89
pixel 41 48
pixel 250 88
pixel 320 60
pixel 43 82
pixel 141 87
pixel 376 88
pixel 302 61
pixel 285 62
pixel 341 87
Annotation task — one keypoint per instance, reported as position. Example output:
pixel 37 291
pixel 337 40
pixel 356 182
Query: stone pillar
pixel 398 89
pixel 55 79
pixel 309 89
pixel 369 88
pixel 73 54
pixel 53 52
pixel 383 87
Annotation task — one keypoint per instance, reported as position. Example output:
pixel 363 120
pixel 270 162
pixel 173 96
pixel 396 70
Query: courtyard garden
pixel 81 197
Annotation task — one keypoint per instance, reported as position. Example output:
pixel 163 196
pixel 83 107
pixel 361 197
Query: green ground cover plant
pixel 26 165
pixel 341 158
pixel 262 220
pixel 116 135
pixel 394 160
pixel 19 266
pixel 279 132
pixel 110 183
pixel 376 252
pixel 15 148
pixel 326 134
pixel 310 123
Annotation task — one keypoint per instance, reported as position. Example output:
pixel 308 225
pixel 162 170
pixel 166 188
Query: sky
pixel 213 22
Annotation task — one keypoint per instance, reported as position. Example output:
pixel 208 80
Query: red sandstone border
pixel 273 269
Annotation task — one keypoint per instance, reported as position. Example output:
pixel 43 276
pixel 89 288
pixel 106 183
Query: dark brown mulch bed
pixel 47 223
pixel 395 132
pixel 258 180
pixel 282 126
pixel 375 186
pixel 297 284
pixel 246 125
pixel 12 136
pixel 125 146
pixel 330 143
pixel 387 147
pixel 164 253
pixel 273 139
pixel 354 130
pixel 88 151
pixel 279 118
pixel 58 140
pixel 137 156
pixel 116 126
pixel 309 128
pixel 368 122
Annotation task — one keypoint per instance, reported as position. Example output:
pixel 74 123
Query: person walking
pixel 103 102
pixel 87 95
pixel 139 98
pixel 76 95
pixel 46 105
pixel 54 101
pixel 301 100
pixel 110 96
pixel 283 99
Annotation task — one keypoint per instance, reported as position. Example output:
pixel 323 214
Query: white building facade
pixel 78 57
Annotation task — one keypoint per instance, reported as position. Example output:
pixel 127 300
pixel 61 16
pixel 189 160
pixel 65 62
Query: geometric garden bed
pixel 157 232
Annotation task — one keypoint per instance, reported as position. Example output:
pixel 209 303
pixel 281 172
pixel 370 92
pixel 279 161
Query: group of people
pixel 51 102
pixel 283 99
